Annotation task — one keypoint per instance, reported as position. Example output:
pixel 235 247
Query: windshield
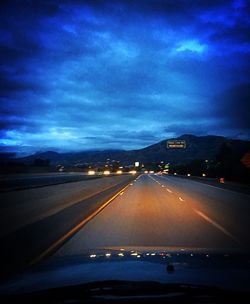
pixel 124 130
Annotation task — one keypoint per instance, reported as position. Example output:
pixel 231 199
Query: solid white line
pixel 208 219
pixel 215 224
pixel 211 186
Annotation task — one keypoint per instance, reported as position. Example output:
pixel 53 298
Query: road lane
pixel 24 207
pixel 24 245
pixel 147 214
pixel 228 208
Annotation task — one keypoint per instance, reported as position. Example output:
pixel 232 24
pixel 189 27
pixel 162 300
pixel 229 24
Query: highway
pixel 119 212
pixel 157 211
pixel 33 219
pixel 20 208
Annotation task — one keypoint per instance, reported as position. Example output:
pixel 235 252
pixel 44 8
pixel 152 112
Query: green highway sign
pixel 176 144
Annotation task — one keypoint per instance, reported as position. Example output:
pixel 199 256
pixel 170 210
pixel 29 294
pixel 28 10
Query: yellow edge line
pixel 52 247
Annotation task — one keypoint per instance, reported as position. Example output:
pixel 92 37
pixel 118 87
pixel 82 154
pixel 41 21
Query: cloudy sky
pixel 79 75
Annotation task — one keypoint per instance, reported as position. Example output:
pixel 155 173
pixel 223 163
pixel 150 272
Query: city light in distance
pixel 133 172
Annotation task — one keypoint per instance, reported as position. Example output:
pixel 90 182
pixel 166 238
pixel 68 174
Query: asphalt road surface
pixel 32 220
pixel 167 212
pixel 20 208
pixel 119 211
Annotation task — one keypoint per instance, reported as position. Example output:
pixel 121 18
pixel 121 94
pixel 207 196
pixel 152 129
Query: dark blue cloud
pixel 121 74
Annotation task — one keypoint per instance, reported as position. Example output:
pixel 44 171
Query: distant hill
pixel 198 147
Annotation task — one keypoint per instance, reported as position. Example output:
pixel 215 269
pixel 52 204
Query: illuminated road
pixel 168 211
pixel 24 207
pixel 119 212
pixel 33 219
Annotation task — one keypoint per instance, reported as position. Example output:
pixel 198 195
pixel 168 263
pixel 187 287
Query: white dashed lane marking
pixel 204 216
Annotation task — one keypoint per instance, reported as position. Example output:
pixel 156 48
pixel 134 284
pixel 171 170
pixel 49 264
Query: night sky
pixel 79 75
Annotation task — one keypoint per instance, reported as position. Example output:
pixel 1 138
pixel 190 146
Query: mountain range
pixel 197 147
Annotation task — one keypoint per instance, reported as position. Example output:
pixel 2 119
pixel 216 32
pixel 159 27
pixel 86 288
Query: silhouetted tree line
pixel 11 166
pixel 227 164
